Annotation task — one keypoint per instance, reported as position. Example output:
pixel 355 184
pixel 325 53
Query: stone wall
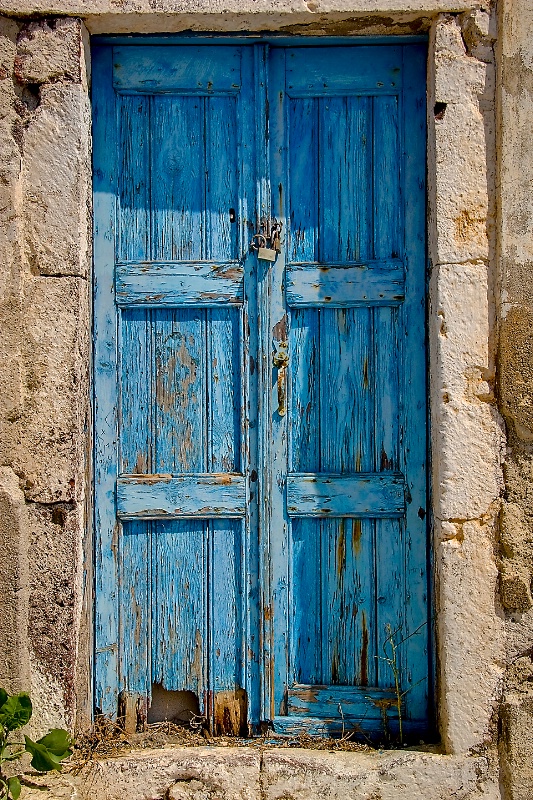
pixel 515 386
pixel 480 225
pixel 44 381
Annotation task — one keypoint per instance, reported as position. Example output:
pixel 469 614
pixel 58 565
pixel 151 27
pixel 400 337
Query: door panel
pixel 349 559
pixel 260 426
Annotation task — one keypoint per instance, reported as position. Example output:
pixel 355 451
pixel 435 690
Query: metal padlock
pixel 266 254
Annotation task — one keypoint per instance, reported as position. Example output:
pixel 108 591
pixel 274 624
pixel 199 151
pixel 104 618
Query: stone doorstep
pixel 216 773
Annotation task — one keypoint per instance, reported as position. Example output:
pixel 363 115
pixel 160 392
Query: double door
pixel 260 423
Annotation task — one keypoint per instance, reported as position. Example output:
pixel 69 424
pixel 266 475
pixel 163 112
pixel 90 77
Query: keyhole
pixel 232 216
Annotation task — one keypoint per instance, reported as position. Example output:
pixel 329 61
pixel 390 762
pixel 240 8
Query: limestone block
pixel 56 176
pixel 49 51
pixel 471 637
pixel 466 444
pixel 460 318
pixel 464 138
pixel 516 378
pixel 314 775
pixel 14 584
pixel 515 586
pixel 517 718
pixel 178 774
pixel 50 451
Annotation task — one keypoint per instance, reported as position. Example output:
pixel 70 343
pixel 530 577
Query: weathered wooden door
pixel 260 424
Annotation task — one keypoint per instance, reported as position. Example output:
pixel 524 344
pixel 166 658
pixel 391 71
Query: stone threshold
pixel 241 773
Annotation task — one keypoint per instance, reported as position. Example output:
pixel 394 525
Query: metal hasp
pixel 260 406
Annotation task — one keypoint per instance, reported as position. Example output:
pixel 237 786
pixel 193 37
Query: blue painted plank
pixel 356 495
pixel 303 161
pixel 414 378
pixel 386 387
pixel 202 495
pixel 361 727
pixel 353 70
pixel 275 324
pixel 304 456
pixel 224 401
pixel 183 70
pixel 180 283
pixel 105 388
pixel 306 611
pixel 386 190
pixel 135 394
pixel 178 194
pixel 340 286
pixel 180 390
pixel 249 399
pixel 179 635
pixel 135 606
pixel 134 177
pixel 222 169
pixel 225 592
pixel 324 701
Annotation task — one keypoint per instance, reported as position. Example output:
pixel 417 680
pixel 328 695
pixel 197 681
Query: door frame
pixel 263 201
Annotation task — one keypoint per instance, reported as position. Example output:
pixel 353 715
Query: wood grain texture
pixel 340 286
pixel 180 283
pixel 360 494
pixel 202 495
pixel 253 557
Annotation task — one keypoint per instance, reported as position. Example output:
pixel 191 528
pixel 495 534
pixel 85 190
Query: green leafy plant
pixel 47 753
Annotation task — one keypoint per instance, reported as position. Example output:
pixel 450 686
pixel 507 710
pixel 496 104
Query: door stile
pixel 263 292
pixel 277 328
pixel 415 675
pixel 247 212
pixel 105 388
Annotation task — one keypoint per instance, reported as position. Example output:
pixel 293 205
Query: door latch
pixel 267 241
pixel 280 360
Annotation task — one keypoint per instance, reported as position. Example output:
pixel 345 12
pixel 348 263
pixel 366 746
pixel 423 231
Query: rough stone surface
pixel 49 51
pixel 470 686
pixel 44 335
pixel 515 386
pixel 276 774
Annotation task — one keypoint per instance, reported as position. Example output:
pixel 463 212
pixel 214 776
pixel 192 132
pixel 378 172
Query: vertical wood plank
pixel 349 594
pixel 390 606
pixel 250 398
pixel 387 416
pixel 336 179
pixel 226 604
pixel 180 390
pixel 134 174
pixel 135 394
pixel 178 192
pixel 221 178
pixel 414 379
pixel 135 608
pixel 105 387
pixel 387 163
pixel 347 383
pixel 224 330
pixel 304 450
pixel 303 172
pixel 179 615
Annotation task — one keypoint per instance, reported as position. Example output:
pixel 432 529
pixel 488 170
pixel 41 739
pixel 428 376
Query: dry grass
pixel 107 739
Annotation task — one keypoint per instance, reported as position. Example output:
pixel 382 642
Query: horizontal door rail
pixel 194 70
pixel 361 494
pixel 339 701
pixel 190 283
pixel 345 285
pixel 205 495
pixel 314 73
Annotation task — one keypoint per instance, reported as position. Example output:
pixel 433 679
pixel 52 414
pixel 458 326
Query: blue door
pixel 260 414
